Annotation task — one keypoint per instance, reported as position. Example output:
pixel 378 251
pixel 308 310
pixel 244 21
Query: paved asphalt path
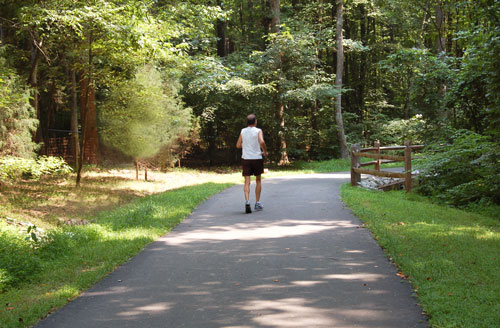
pixel 302 262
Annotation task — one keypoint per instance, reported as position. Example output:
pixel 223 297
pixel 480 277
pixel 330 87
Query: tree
pixel 344 152
pixel 280 108
pixel 143 114
pixel 17 117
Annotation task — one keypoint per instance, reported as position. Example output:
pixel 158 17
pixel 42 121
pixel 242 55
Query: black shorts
pixel 252 167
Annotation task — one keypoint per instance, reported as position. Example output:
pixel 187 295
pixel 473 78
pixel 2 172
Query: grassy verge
pixel 451 256
pixel 334 165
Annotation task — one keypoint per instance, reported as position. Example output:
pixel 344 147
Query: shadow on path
pixel 302 262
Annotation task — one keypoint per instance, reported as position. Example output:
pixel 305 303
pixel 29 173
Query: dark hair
pixel 251 119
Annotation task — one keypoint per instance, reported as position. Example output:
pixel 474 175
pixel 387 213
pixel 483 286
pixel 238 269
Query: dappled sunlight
pixel 289 312
pixel 111 291
pixel 254 231
pixel 362 276
pixel 150 309
pixel 322 176
pixel 355 251
pixel 306 283
pixel 51 202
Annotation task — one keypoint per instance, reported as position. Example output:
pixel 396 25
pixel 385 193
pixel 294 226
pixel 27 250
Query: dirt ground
pixel 51 202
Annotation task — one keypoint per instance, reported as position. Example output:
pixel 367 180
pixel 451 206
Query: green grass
pixel 333 165
pixel 302 167
pixel 74 258
pixel 451 256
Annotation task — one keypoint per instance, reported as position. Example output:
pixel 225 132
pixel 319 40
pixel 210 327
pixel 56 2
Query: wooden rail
pixel 374 153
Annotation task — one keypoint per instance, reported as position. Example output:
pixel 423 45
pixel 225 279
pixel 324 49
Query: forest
pixel 97 90
pixel 155 81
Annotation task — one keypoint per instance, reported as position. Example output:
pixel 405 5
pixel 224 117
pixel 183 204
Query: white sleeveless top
pixel 250 143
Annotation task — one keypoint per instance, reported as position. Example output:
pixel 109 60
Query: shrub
pixel 13 168
pixel 462 169
pixel 18 261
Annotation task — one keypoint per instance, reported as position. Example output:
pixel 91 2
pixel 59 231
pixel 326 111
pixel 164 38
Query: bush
pixel 18 261
pixel 13 168
pixel 462 169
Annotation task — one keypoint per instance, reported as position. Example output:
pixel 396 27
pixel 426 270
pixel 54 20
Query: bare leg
pixel 246 188
pixel 258 188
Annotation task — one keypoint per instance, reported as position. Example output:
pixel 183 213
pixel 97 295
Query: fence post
pixel 407 166
pixel 355 163
pixel 377 151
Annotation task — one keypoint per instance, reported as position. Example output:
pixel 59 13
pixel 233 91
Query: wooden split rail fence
pixel 375 153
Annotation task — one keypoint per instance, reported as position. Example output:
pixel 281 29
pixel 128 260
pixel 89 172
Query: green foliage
pixel 18 263
pixel 144 114
pixel 17 116
pixel 449 255
pixel 12 168
pixel 474 95
pixel 462 168
pixel 418 77
pixel 395 132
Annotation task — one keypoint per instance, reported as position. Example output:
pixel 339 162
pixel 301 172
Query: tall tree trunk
pixel 85 90
pixel 315 140
pixel 441 47
pixel 74 119
pixel 281 114
pixel 344 153
pixel 363 60
pixel 266 21
pixel 89 121
pixel 280 107
pixel 221 35
pixel 242 24
pixel 2 35
pixel 33 81
pixel 275 16
pixel 441 35
pixel 136 162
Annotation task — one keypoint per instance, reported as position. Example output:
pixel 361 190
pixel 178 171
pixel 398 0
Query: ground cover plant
pixel 451 256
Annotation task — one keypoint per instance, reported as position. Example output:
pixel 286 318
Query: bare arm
pixel 238 144
pixel 262 143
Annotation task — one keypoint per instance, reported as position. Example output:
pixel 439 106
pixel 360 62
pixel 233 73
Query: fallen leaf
pixel 450 294
pixel 401 223
pixel 402 275
pixel 10 308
